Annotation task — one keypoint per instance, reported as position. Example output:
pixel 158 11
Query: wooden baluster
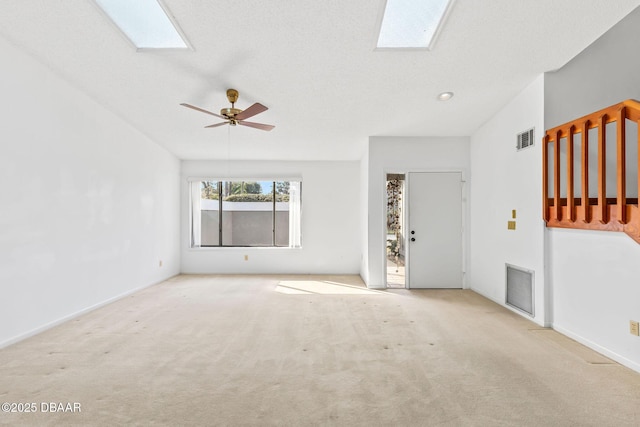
pixel 585 172
pixel 556 176
pixel 570 202
pixel 622 166
pixel 545 178
pixel 602 169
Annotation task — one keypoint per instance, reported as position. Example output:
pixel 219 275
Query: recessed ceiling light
pixel 144 22
pixel 445 96
pixel 411 23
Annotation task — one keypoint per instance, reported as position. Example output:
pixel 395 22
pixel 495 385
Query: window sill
pixel 242 248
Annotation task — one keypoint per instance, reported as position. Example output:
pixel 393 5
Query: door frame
pixel 405 218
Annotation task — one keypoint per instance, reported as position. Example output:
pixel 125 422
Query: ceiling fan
pixel 235 116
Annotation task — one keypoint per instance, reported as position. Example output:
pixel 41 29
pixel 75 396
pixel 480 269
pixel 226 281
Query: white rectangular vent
pixel 520 288
pixel 525 139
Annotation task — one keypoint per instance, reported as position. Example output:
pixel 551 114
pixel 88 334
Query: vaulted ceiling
pixel 313 63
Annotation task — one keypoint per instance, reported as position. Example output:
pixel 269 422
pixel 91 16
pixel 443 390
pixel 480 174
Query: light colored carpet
pixel 311 350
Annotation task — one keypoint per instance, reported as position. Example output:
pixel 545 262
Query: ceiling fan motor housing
pixel 230 113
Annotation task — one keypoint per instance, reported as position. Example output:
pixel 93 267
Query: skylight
pixel 411 23
pixel 144 22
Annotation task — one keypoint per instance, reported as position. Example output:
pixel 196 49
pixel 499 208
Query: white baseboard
pixel 596 347
pixel 71 316
pixel 592 345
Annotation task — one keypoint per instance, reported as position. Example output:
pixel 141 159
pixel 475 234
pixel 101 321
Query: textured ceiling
pixel 312 63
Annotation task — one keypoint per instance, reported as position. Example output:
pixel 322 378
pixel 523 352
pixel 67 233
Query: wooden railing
pixel 594 213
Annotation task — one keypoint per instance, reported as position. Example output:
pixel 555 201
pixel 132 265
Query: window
pixel 145 23
pixel 411 23
pixel 245 213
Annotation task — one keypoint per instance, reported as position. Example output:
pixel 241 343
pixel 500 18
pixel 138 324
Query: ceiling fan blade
pixel 256 108
pixel 216 125
pixel 202 111
pixel 256 125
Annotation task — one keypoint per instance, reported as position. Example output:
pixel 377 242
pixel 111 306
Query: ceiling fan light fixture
pixel 445 96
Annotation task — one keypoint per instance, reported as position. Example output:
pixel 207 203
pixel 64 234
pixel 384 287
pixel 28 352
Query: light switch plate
pixel 633 328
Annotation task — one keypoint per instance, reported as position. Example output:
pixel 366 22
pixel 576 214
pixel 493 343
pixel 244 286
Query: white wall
pixel 364 215
pixel 402 155
pixel 610 68
pixel 596 290
pixel 89 205
pixel 594 274
pixel 330 220
pixel 503 179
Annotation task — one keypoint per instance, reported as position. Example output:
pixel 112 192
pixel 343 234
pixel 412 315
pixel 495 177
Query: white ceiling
pixel 312 63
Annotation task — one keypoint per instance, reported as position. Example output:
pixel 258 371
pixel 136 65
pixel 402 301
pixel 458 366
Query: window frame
pixel 297 240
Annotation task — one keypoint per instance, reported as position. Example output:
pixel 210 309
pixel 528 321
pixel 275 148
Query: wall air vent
pixel 525 139
pixel 519 288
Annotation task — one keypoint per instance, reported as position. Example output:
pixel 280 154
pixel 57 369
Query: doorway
pixel 395 241
pixel 435 230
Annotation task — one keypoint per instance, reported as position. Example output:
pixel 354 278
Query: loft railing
pixel 563 208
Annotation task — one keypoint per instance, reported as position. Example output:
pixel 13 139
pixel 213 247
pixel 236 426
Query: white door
pixel 435 230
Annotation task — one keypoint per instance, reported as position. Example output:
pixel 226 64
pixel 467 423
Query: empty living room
pixel 389 212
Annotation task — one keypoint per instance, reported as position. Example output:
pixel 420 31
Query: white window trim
pixel 295 215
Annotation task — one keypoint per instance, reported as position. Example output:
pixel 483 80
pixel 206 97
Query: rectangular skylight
pixel 411 23
pixel 144 22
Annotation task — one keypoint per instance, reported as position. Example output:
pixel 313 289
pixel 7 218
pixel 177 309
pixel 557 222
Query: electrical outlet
pixel 633 328
pixel 246 257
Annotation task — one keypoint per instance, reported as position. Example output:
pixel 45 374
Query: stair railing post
pixel 570 201
pixel 586 208
pixel 622 166
pixel 602 169
pixel 556 176
pixel 545 178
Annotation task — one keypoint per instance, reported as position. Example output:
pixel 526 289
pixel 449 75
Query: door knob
pixel 413 239
pixel 413 232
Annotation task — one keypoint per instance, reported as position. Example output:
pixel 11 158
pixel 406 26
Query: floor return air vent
pixel 519 288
